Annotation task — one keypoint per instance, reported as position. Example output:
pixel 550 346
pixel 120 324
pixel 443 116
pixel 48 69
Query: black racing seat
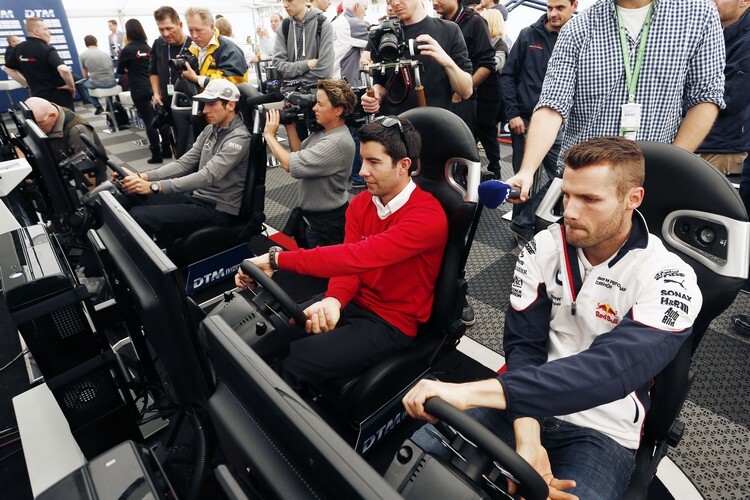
pixel 212 240
pixel 705 223
pixel 449 169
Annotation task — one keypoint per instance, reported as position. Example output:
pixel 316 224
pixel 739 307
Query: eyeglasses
pixel 389 121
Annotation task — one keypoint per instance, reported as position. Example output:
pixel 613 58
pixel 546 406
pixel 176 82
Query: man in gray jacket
pixel 304 44
pixel 205 186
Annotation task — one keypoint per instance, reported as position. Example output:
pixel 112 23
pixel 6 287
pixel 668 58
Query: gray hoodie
pixel 285 49
pixel 213 169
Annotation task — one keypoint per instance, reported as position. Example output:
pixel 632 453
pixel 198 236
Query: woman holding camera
pixel 134 61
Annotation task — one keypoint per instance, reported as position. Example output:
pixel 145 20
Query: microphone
pixel 494 193
pixel 265 99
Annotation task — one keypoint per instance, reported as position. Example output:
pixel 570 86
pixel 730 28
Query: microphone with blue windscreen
pixel 494 193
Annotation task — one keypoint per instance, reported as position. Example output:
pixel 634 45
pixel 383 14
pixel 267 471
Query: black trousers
pixel 486 131
pixel 172 216
pixel 467 111
pixel 361 339
pixel 142 100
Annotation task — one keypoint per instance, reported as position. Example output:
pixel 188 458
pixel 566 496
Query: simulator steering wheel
pixel 530 484
pixel 278 293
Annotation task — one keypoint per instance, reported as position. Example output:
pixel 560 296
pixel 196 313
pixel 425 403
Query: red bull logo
pixel 607 313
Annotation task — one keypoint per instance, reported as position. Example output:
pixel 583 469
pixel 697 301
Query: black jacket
pixel 482 55
pixel 523 74
pixel 731 131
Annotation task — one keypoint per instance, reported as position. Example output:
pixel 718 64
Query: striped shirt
pixel 683 66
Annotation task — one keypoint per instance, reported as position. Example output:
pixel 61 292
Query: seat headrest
pixel 247 90
pixel 687 199
pixel 707 188
pixel 444 135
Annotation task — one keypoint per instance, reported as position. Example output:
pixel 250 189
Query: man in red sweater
pixel 382 277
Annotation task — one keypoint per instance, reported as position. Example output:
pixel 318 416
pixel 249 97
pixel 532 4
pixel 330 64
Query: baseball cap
pixel 218 89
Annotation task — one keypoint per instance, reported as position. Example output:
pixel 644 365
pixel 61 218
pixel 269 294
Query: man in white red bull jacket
pixel 598 307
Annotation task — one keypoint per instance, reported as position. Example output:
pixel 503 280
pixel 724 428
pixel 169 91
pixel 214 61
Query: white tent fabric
pixel 89 17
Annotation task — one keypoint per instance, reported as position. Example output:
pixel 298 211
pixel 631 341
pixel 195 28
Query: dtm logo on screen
pixel 219 274
pixel 39 13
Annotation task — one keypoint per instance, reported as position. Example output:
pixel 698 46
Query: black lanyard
pixel 169 56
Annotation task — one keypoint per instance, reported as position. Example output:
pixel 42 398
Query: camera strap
pixel 406 77
pixel 169 55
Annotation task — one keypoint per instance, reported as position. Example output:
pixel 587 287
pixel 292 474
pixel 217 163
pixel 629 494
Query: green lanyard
pixel 631 75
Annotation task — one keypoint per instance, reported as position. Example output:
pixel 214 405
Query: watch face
pixel 155 187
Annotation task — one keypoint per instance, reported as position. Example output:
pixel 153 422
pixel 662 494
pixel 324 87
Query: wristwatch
pixel 155 187
pixel 272 257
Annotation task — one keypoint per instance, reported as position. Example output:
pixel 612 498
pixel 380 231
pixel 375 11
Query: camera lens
pixel 388 47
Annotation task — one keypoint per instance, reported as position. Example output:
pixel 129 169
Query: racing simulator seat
pixel 705 223
pixel 450 170
pixel 212 251
pixel 182 116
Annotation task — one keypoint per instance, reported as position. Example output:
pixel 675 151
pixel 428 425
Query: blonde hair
pixel 204 14
pixel 495 22
pixel 224 27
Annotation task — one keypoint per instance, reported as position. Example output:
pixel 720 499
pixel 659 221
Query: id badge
pixel 170 90
pixel 630 121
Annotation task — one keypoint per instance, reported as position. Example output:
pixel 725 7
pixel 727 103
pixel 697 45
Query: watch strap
pixel 272 257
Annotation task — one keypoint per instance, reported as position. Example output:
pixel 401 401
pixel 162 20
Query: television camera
pixel 300 98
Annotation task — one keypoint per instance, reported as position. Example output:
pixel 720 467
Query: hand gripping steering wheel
pixel 531 486
pixel 265 281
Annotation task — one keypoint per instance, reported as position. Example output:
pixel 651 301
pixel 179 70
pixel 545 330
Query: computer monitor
pixel 19 114
pixel 147 287
pixel 271 438
pixel 58 195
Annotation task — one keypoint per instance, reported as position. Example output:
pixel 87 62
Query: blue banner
pixel 13 13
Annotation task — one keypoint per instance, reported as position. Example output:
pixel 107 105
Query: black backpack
pixel 288 21
pixel 123 121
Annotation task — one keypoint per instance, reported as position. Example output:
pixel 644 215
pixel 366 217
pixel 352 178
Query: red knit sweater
pixel 386 266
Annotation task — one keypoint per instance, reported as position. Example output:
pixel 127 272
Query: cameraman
pixel 442 72
pixel 162 75
pixel 322 163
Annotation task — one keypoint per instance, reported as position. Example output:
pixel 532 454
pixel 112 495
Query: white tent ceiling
pixel 89 17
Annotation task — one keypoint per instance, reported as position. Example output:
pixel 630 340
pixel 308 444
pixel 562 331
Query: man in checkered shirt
pixel 585 85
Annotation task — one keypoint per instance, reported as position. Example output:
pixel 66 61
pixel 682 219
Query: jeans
pixel 88 84
pixel 600 466
pixel 524 214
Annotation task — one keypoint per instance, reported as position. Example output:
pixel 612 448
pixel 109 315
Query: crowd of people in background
pixel 671 71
